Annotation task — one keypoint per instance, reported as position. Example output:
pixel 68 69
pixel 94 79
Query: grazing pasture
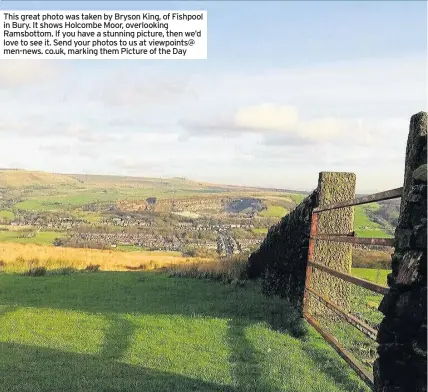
pixel 146 331
pixel 366 227
pixel 378 276
pixel 29 237
pixel 274 212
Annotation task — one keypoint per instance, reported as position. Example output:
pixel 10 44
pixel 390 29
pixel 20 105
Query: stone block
pixel 411 311
pixel 403 238
pixel 389 302
pixel 420 235
pixel 391 280
pixel 417 194
pixel 333 187
pixel 409 268
pixel 420 174
pixel 420 342
pixel 396 261
pixel 423 267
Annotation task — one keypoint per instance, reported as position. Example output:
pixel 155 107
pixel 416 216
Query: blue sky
pixel 289 89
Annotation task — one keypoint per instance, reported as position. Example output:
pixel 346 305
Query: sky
pixel 289 89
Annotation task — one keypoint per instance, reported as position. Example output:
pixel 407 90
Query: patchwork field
pixel 71 204
pixel 144 331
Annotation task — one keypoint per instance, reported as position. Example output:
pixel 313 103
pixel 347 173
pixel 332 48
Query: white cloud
pixel 323 129
pixel 283 125
pixel 365 88
pixel 267 117
pixel 273 127
pixel 27 125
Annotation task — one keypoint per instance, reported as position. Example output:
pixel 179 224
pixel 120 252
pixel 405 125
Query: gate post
pixel 402 336
pixel 333 187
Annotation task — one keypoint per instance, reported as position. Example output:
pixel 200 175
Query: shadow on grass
pixel 29 368
pixel 117 338
pixel 5 310
pixel 246 370
pixel 336 370
pixel 116 293
pixel 137 293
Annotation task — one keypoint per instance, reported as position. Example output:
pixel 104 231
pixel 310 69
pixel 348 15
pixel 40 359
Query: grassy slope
pixel 18 178
pixel 69 192
pixel 147 332
pixel 7 214
pixel 298 198
pixel 41 238
pixel 274 211
pixel 60 202
pixel 373 275
pixel 367 302
pixel 363 226
pixel 260 230
pixel 65 198
pixel 364 304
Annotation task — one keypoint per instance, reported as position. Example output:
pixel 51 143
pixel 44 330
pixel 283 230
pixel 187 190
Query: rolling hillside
pixel 23 178
pixel 22 190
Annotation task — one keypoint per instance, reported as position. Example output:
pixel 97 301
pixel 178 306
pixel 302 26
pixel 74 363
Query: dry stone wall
pixel 402 336
pixel 282 257
pixel 281 260
pixel 281 263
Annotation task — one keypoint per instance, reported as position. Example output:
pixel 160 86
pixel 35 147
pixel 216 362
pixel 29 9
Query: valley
pixel 151 214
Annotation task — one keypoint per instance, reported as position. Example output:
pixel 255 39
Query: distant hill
pixel 16 178
pixel 37 191
pixel 21 178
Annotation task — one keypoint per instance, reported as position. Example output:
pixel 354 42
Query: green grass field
pixel 41 238
pixel 55 199
pixel 60 202
pixel 373 275
pixel 274 212
pixel 297 197
pixel 367 302
pixel 149 332
pixel 364 227
pixel 6 214
pixel 363 304
pixel 91 217
pixel 260 230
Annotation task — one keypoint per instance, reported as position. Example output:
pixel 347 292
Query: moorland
pixel 151 214
pixel 97 288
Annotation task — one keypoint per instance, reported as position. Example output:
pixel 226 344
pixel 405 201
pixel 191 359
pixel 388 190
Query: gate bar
pixel 356 322
pixel 345 354
pixel 355 240
pixel 386 195
pixel 377 288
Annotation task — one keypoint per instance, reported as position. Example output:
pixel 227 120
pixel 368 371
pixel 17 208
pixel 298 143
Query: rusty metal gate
pixel 356 322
